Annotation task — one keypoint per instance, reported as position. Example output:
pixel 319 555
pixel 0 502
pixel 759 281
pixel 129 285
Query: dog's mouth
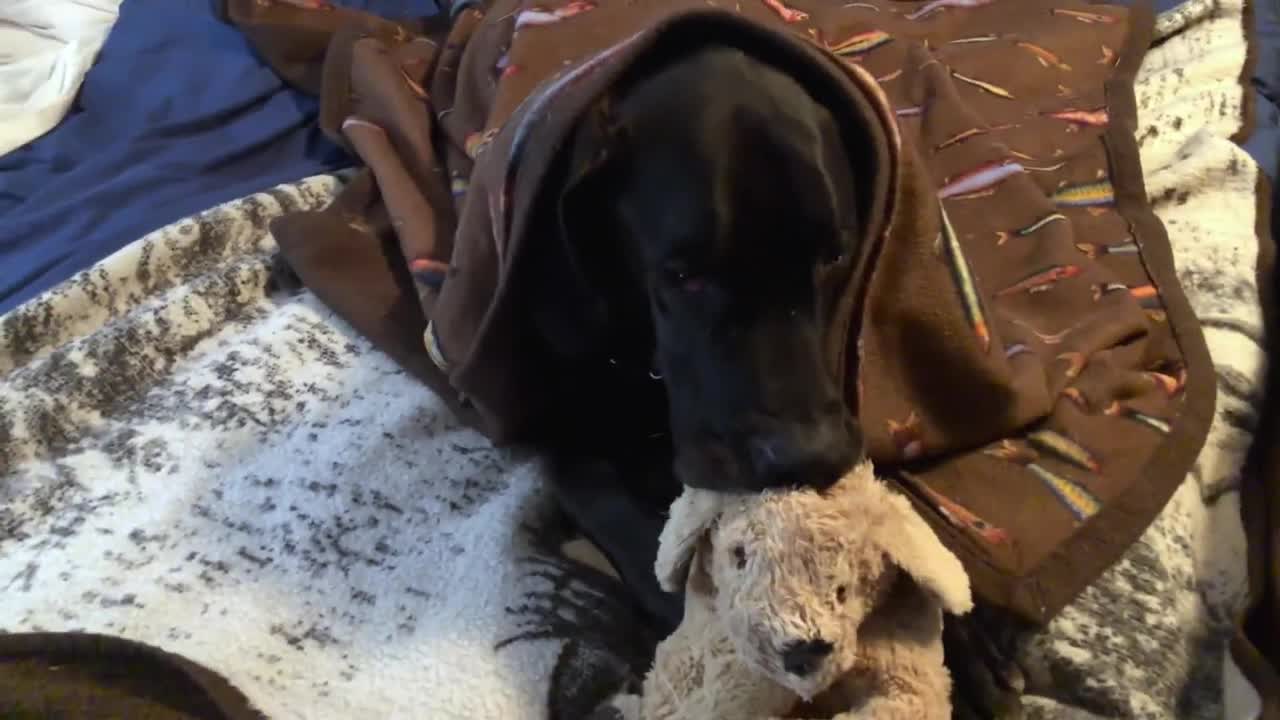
pixel 711 464
pixel 814 456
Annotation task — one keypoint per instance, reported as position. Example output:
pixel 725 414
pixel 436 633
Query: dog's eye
pixel 693 283
pixel 828 260
pixel 740 556
pixel 685 278
pixel 842 594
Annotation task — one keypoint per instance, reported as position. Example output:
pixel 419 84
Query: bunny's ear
pixel 692 516
pixel 913 546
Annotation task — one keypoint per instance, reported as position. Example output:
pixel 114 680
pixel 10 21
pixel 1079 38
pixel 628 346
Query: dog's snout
pixel 813 454
pixel 803 657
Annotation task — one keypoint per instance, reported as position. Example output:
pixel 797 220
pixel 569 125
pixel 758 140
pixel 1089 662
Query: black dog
pixel 697 342
pixel 688 324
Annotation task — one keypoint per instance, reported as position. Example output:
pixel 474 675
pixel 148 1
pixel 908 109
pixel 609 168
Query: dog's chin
pixel 709 466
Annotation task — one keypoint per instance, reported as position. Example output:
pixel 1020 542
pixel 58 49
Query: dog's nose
pixel 803 657
pixel 810 454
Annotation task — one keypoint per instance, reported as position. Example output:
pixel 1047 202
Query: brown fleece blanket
pixel 1013 336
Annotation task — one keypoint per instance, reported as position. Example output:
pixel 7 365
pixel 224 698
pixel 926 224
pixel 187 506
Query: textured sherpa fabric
pixel 191 459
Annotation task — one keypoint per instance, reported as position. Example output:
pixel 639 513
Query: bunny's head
pixel 793 573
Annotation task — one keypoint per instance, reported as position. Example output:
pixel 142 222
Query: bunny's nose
pixel 802 657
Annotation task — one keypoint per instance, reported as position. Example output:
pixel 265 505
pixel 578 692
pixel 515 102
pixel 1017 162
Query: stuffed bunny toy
pixel 803 604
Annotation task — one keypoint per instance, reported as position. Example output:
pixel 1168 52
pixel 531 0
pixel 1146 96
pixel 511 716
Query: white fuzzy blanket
pixel 190 459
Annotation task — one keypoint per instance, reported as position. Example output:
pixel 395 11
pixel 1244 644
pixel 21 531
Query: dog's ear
pixel 911 544
pixel 575 276
pixel 693 517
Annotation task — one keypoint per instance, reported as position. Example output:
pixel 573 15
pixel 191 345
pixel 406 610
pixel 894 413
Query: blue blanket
pixel 177 115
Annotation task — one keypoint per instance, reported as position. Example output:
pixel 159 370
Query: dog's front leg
pixel 607 509
pixel 981 650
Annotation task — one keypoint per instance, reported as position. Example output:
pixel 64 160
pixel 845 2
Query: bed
pixel 210 479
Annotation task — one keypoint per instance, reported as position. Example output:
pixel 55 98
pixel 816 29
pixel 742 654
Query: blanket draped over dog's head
pixel 1010 333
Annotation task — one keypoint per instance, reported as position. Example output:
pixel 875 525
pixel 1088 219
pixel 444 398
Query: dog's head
pixel 794 573
pixel 720 188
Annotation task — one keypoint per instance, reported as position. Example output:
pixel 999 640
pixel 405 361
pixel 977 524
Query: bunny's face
pixel 793 573
pixel 793 582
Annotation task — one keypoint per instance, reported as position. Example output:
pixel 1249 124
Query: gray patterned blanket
pixel 192 458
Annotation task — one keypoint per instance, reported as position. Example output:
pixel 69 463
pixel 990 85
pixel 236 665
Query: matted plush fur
pixel 765 571
pixel 190 459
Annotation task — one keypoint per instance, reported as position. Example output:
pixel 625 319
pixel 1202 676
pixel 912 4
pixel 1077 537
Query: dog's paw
pixel 619 707
pixel 981 655
pixel 586 678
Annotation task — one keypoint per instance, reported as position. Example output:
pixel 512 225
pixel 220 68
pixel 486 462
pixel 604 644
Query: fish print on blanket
pixel 1041 281
pixel 955 513
pixel 976 182
pixel 976 40
pixel 859 43
pixel 1046 58
pixel 477 142
pixel 1088 18
pixel 429 272
pixel 1085 195
pixel 1064 448
pixel 1003 237
pixel 960 137
pixel 458 186
pixel 414 86
pixel 1073 496
pixel 504 68
pixel 987 87
pixel 1121 410
pixel 906 436
pixel 786 12
pixel 1171 384
pixel 1092 118
pixel 537 16
pixel 936 7
pixel 962 276
pixel 1147 296
pixel 1097 250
